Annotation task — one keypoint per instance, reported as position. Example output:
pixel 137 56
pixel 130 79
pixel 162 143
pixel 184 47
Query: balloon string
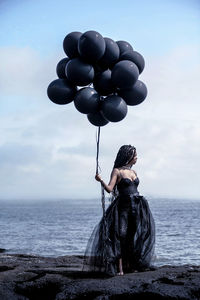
pixel 97 156
pixel 105 233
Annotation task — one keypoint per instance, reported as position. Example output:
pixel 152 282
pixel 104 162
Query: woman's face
pixel 134 160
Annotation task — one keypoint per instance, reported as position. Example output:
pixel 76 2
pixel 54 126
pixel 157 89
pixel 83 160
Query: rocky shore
pixel 24 277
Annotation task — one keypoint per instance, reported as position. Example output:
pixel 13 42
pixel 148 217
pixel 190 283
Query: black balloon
pixel 111 54
pixel 99 68
pixel 70 44
pixel 97 119
pixel 111 69
pixel 60 91
pixel 79 72
pixel 87 100
pixel 135 57
pixel 60 69
pixel 124 74
pixel 124 46
pixel 135 94
pixel 114 108
pixel 103 83
pixel 91 46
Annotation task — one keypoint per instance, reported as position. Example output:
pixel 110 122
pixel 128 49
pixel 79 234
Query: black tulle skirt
pixel 127 231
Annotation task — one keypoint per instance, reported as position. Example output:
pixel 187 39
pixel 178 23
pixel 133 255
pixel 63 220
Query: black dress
pixel 127 232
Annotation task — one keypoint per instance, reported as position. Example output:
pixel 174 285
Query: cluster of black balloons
pixel 100 75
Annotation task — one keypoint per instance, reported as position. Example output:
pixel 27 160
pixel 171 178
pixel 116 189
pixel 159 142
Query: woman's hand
pixel 98 177
pixel 113 179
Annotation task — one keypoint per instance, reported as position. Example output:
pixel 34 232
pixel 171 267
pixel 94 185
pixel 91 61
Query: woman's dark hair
pixel 124 156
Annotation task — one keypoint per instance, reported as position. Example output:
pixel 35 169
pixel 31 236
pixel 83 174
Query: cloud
pixel 49 151
pixel 25 76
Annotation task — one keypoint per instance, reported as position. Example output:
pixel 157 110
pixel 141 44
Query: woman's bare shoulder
pixel 134 172
pixel 115 171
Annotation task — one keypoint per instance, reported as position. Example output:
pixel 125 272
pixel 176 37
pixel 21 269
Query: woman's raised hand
pixel 98 177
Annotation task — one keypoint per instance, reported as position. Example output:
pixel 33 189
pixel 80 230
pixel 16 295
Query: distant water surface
pixel 55 228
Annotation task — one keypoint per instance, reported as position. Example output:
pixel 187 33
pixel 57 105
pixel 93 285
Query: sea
pixel 62 227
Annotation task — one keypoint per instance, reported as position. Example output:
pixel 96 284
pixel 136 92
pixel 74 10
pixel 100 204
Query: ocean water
pixel 56 228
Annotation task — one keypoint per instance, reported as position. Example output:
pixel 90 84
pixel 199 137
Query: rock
pixel 24 277
pixel 2 250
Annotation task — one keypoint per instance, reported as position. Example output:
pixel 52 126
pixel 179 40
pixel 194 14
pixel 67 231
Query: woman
pixel 124 239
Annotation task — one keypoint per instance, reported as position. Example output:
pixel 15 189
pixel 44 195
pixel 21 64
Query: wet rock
pixel 2 250
pixel 24 277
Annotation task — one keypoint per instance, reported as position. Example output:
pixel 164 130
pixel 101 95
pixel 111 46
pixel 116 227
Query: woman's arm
pixel 113 179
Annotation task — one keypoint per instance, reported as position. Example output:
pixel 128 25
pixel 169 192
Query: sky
pixel 48 151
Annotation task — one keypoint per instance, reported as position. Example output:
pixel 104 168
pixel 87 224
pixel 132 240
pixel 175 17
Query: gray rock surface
pixel 24 277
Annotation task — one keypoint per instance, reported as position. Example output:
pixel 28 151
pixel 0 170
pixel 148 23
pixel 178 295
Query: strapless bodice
pixel 126 186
